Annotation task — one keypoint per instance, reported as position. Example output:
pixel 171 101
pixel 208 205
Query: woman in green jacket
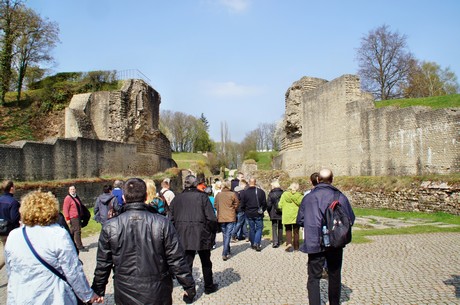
pixel 289 205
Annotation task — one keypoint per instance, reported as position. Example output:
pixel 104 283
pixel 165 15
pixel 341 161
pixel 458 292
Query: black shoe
pixel 275 246
pixel 83 249
pixel 253 247
pixel 258 248
pixel 211 289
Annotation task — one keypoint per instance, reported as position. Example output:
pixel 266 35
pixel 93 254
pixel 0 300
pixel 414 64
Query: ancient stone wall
pixel 106 133
pixel 77 158
pixel 341 129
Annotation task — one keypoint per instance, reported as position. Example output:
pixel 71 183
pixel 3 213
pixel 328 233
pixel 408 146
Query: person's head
pixel 314 178
pixel 252 182
pixel 134 190
pixel 72 190
pixel 39 208
pixel 226 185
pixel 219 185
pixel 190 181
pixel 243 183
pixel 294 187
pixel 118 184
pixel 107 188
pixel 200 178
pixel 165 183
pixel 240 176
pixel 275 184
pixel 8 186
pixel 151 190
pixel 325 176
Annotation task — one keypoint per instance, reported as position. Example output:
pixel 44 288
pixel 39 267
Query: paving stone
pixel 399 269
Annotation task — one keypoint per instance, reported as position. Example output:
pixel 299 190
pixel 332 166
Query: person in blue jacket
pixel 310 217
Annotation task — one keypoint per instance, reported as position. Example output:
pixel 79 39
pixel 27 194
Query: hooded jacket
pixel 272 202
pixel 101 208
pixel 289 206
pixel 311 212
pixel 144 251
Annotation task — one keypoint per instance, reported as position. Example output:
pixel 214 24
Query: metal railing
pixel 132 74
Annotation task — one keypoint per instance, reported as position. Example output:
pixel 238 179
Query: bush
pixel 254 155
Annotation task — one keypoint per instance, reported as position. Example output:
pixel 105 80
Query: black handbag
pixel 84 215
pixel 50 268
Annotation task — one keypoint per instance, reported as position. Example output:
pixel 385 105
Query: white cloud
pixel 231 89
pixel 237 6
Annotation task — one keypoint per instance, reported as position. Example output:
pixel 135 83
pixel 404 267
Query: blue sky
pixel 233 60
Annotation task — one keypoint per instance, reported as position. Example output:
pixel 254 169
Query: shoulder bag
pixel 48 266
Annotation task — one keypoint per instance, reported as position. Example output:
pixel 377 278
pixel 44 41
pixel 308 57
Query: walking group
pixel 150 238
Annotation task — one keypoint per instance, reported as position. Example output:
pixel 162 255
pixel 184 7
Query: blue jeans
pixel 227 228
pixel 240 231
pixel 256 225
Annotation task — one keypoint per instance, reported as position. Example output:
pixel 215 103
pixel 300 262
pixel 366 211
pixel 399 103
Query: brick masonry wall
pixel 76 158
pixel 342 130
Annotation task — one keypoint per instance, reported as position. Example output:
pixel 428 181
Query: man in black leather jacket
pixel 144 251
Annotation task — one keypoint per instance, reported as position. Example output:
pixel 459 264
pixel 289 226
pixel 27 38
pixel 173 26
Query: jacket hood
pixel 105 198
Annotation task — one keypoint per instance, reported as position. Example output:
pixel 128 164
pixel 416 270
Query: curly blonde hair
pixel 39 208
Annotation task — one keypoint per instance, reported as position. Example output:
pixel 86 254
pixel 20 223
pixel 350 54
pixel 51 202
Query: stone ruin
pixel 106 134
pixel 336 125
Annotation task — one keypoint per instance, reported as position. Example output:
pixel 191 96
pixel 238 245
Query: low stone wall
pixel 80 158
pixel 421 199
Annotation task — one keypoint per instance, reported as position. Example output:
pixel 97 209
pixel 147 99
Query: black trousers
pixel 206 265
pixel 333 258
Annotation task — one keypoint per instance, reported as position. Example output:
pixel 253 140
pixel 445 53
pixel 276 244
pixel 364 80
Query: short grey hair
pixel 190 181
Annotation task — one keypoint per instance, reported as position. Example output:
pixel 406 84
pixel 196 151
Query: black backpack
pixel 337 223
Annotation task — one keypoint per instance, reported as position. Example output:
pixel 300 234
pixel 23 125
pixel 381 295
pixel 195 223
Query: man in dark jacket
pixel 196 224
pixel 275 214
pixel 310 216
pixel 144 251
pixel 252 199
pixel 106 206
pixel 9 215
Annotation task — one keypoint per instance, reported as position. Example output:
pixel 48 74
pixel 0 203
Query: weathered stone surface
pixel 334 124
pixel 107 133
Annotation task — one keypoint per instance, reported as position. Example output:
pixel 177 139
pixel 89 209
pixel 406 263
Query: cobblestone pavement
pixel 404 269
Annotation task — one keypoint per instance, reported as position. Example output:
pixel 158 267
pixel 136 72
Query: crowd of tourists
pixel 149 237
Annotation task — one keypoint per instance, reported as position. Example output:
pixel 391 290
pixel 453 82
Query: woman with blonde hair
pixel 41 260
pixel 289 205
pixel 155 203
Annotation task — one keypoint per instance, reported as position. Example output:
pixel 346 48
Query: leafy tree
pixel 202 141
pixel 428 79
pixel 384 63
pixel 9 24
pixel 185 132
pixel 35 41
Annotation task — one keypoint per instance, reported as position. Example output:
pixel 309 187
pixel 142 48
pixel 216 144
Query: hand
pixel 96 299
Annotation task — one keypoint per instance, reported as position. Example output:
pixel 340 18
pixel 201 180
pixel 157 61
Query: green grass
pixel 435 102
pixel 361 235
pixel 265 160
pixel 186 160
pixel 92 228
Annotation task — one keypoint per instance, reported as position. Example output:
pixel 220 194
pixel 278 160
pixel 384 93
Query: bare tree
pixel 384 63
pixel 35 41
